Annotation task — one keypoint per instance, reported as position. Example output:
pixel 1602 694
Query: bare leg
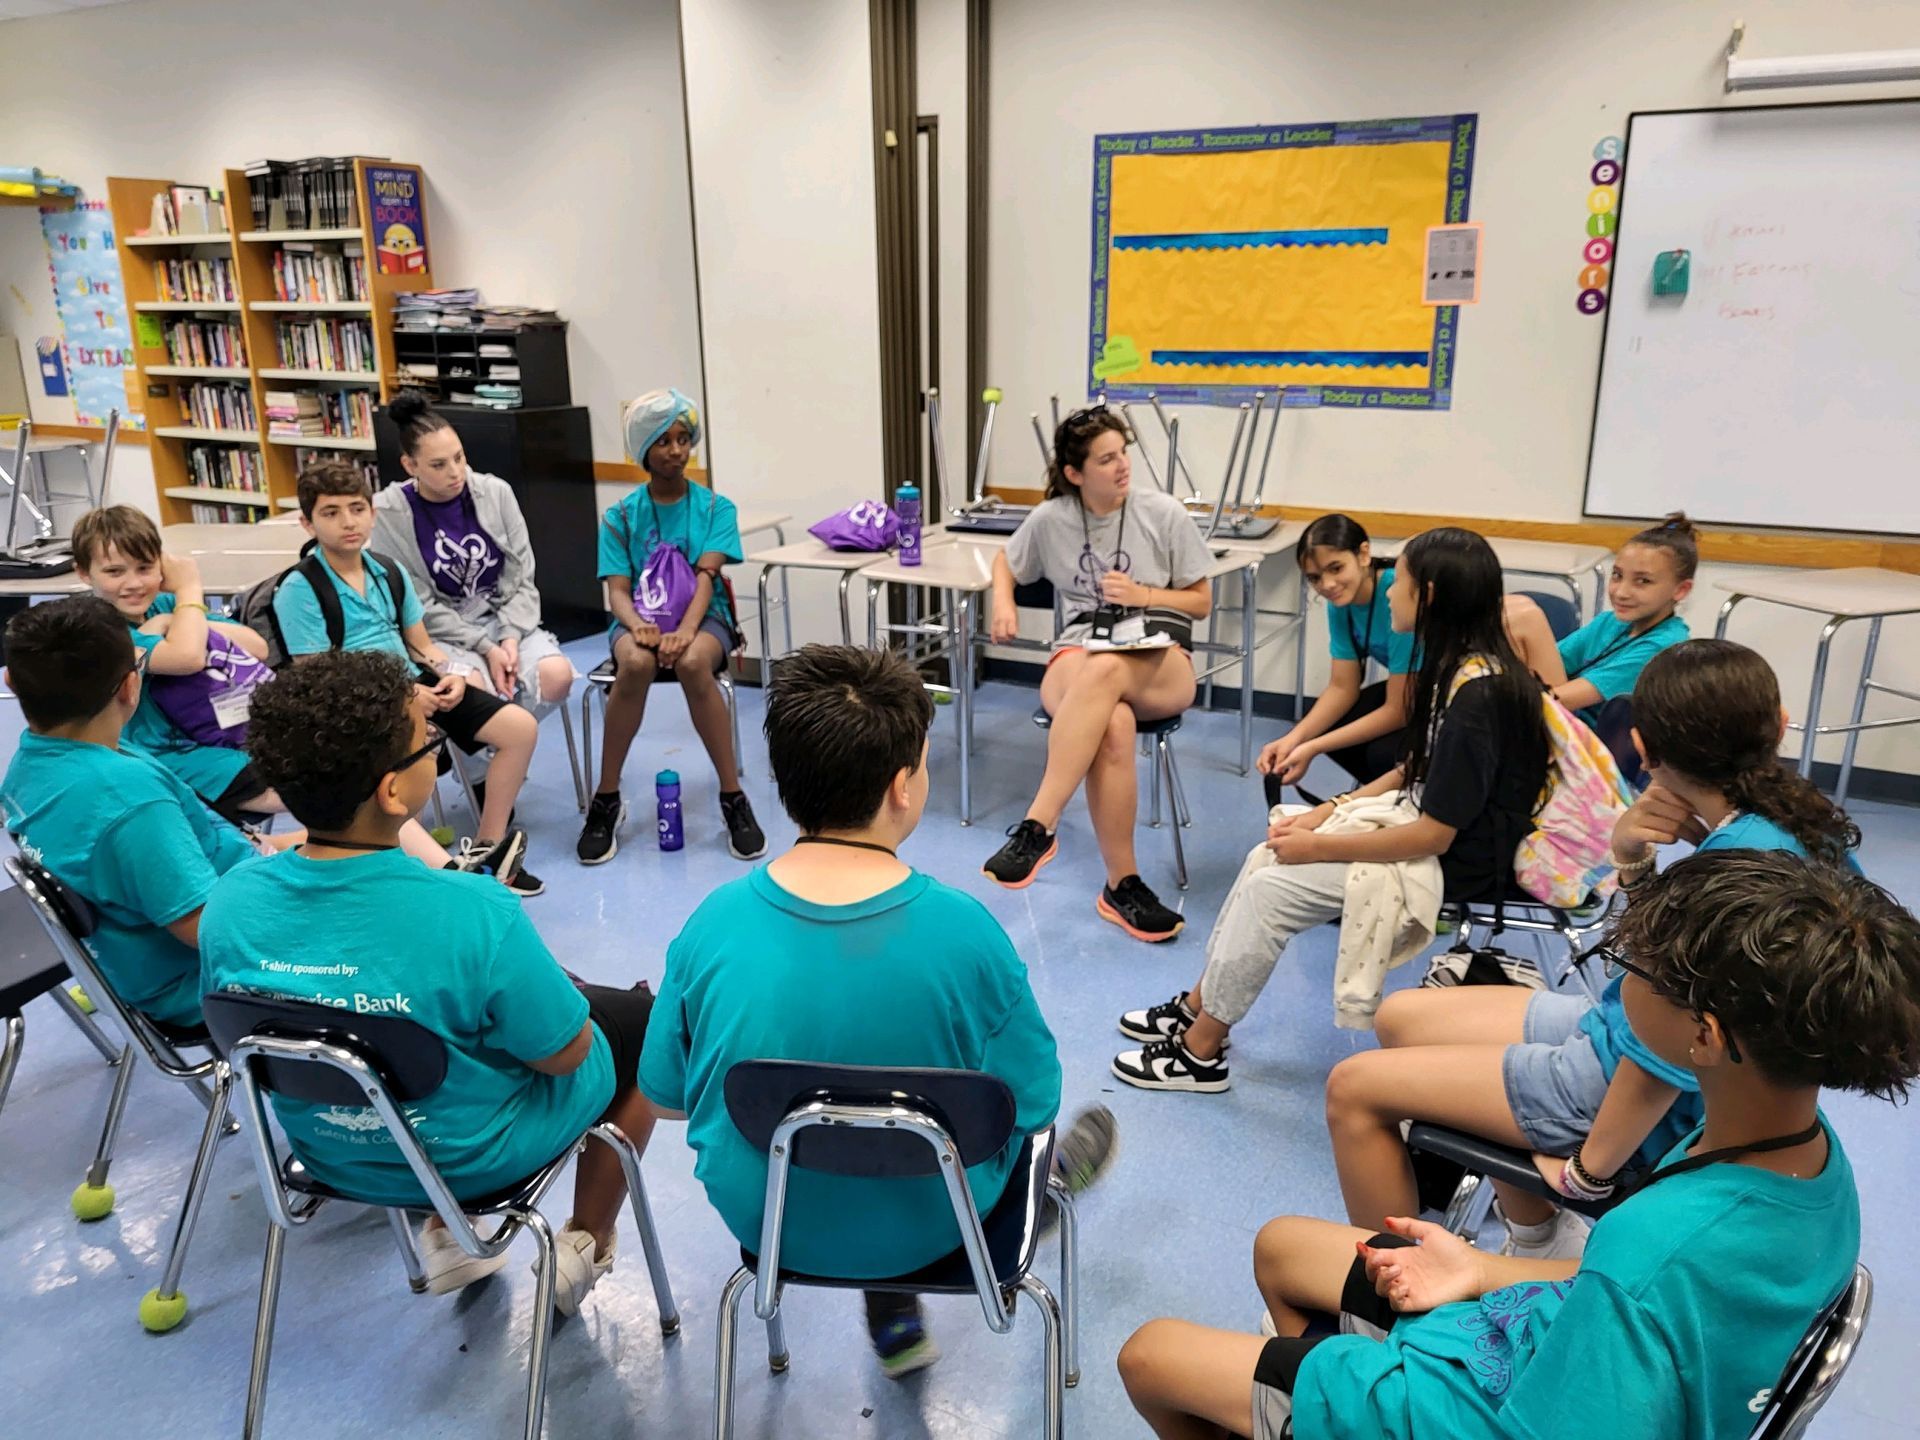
pixel 599 1184
pixel 554 677
pixel 1533 640
pixel 1301 1266
pixel 1206 1035
pixel 1191 1382
pixel 415 841
pixel 512 733
pixel 707 707
pixel 634 669
pixel 1113 795
pixel 1369 1094
pixel 1080 692
pixel 1458 1015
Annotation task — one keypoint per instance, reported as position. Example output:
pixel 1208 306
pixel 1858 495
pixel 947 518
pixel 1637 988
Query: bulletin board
pixel 1264 257
pixel 84 269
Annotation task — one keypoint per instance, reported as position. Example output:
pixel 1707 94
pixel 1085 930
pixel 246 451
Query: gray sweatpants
pixel 1268 905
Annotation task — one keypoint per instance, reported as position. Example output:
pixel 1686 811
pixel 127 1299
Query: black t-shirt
pixel 1474 784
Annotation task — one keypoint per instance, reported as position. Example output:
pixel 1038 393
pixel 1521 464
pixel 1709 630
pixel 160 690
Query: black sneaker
pixel 525 884
pixel 598 840
pixel 1028 847
pixel 498 858
pixel 1169 1065
pixel 1160 1022
pixel 745 839
pixel 899 1333
pixel 1138 911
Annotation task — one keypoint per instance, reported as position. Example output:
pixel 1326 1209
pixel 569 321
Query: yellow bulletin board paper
pixel 1276 257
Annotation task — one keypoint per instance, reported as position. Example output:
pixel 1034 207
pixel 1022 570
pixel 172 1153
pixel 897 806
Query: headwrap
pixel 645 420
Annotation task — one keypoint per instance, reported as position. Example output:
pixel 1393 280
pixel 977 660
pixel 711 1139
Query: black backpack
pixel 253 607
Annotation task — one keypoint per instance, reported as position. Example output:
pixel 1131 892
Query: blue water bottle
pixel 906 504
pixel 666 792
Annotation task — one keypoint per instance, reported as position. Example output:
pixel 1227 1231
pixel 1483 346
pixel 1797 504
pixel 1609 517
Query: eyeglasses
pixel 1619 964
pixel 414 757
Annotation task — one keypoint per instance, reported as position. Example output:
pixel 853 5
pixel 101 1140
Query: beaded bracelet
pixel 1577 1184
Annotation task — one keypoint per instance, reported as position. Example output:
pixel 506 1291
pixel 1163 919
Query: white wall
pixel 1547 80
pixel 552 137
pixel 780 115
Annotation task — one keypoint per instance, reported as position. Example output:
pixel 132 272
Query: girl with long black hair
pixel 1474 764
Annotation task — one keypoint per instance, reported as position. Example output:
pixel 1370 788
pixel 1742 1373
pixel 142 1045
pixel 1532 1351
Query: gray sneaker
pixel 1087 1151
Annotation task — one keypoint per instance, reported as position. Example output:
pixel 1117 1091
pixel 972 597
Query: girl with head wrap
pixel 661 553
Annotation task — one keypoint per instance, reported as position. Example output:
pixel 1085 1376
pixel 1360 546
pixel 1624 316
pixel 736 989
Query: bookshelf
pixel 211 420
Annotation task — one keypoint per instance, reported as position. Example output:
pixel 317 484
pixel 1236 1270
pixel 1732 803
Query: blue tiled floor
pixel 1169 1232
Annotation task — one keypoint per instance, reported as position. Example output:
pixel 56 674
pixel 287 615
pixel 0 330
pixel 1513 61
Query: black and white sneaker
pixel 1169 1065
pixel 1138 911
pixel 745 839
pixel 1160 1022
pixel 1015 863
pixel 498 858
pixel 598 837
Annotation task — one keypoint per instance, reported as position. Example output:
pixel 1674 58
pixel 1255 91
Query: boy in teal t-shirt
pixel 121 832
pixel 767 966
pixel 533 1060
pixel 1693 1294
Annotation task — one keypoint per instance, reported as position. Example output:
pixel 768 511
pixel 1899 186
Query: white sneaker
pixel 576 1268
pixel 1267 1327
pixel 1565 1238
pixel 448 1267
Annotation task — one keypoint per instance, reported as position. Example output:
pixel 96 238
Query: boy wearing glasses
pixel 533 1061
pixel 109 823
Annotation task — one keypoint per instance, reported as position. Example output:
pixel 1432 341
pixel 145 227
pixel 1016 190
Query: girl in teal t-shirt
pixel 1360 727
pixel 1691 1298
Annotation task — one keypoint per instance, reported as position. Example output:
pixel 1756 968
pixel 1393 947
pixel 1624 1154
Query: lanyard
pixel 1119 540
pixel 348 845
pixel 1364 652
pixel 1627 637
pixel 848 844
pixel 1731 1152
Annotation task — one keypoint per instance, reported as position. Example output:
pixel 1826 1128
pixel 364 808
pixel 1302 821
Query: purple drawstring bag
pixel 665 587
pixel 211 707
pixel 866 526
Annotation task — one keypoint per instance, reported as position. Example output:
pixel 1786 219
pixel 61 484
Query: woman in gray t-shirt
pixel 1113 555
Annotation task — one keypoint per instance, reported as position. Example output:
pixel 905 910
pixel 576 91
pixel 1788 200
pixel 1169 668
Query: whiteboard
pixel 1784 387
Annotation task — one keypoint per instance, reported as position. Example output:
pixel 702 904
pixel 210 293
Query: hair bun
pixel 1678 523
pixel 407 407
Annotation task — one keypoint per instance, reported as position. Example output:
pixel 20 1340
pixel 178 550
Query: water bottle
pixel 906 503
pixel 666 794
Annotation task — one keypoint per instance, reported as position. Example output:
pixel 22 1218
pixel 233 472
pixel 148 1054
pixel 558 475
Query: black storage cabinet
pixel 546 455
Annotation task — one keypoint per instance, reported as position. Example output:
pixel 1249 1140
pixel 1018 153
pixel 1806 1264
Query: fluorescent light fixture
pixel 1861 67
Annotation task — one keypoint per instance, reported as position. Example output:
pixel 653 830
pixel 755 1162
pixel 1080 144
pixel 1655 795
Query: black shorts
pixel 621 1016
pixel 1279 1363
pixel 464 722
pixel 231 805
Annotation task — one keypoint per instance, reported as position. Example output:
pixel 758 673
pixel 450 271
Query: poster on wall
pixel 85 270
pixel 1276 257
pixel 398 213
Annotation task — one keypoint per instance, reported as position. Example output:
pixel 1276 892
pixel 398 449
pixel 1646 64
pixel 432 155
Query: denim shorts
pixel 1554 1079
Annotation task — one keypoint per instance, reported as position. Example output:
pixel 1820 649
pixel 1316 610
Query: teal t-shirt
pixel 1688 1304
pixel 1357 632
pixel 370 622
pixel 701 524
pixel 129 837
pixel 1605 654
pixel 918 975
pixel 381 934
pixel 207 769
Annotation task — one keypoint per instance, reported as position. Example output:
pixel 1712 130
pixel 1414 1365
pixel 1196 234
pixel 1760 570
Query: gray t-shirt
pixel 1071 548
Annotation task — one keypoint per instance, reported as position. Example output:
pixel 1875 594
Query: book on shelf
pixel 226 467
pixel 327 344
pixel 303 271
pixel 345 414
pixel 365 464
pixel 205 342
pixel 313 194
pixel 205 514
pixel 194 279
pixel 185 210
pixel 218 405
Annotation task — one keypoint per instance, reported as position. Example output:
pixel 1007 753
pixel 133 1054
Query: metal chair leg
pixel 778 1357
pixel 611 1134
pixel 573 755
pixel 724 1341
pixel 1180 810
pixel 1164 766
pixel 110 1130
pixel 263 1332
pixel 1056 1379
pixel 544 1266
pixel 587 777
pixel 409 1250
pixel 1467 1210
pixel 466 785
pixel 1069 1273
pixel 10 1055
pixel 1154 753
pixel 733 719
pixel 86 1025
pixel 439 810
pixel 197 1183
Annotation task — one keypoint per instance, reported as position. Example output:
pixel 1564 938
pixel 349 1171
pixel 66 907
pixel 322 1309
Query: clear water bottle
pixel 906 504
pixel 666 794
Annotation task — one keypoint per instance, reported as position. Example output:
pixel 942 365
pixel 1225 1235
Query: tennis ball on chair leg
pixel 80 997
pixel 92 1202
pixel 160 1313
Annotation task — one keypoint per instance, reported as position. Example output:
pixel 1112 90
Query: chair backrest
pixel 1818 1362
pixel 1562 618
pixel 975 1109
pixel 65 906
pixel 1615 729
pixel 410 1059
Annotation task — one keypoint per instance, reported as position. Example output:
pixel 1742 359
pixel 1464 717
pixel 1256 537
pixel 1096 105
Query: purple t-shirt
pixel 460 556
